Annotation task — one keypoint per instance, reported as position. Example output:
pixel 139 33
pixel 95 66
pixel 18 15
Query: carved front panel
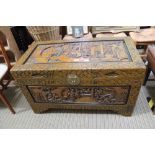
pixel 108 95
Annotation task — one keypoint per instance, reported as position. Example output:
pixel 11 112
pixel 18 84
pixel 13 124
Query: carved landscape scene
pixel 89 51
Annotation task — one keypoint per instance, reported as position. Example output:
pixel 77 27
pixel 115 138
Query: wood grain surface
pixel 101 70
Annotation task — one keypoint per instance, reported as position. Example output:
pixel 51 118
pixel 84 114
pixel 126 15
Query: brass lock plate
pixel 73 79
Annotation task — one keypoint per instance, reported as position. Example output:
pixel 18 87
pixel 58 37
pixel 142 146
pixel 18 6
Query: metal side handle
pixel 112 74
pixel 38 75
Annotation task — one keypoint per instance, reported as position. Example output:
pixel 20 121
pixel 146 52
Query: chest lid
pixel 80 54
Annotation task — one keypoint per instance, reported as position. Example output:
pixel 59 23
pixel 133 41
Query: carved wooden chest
pixel 94 74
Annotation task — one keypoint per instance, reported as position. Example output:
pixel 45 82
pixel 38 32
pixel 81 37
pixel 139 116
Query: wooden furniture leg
pixel 6 102
pixel 147 75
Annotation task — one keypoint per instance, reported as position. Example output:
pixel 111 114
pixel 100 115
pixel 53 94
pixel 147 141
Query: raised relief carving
pixel 80 95
pixel 92 51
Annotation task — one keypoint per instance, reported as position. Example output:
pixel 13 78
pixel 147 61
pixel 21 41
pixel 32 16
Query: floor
pixel 25 118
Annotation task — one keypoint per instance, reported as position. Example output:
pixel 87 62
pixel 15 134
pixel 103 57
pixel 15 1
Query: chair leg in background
pixel 6 102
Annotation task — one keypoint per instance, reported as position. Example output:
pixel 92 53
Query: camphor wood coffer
pixel 92 74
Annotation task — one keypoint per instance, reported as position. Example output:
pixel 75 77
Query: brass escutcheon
pixel 73 79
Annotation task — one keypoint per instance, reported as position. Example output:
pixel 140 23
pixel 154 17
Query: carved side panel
pixel 109 95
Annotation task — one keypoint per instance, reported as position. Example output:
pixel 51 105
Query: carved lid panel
pixel 80 52
pixel 78 56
